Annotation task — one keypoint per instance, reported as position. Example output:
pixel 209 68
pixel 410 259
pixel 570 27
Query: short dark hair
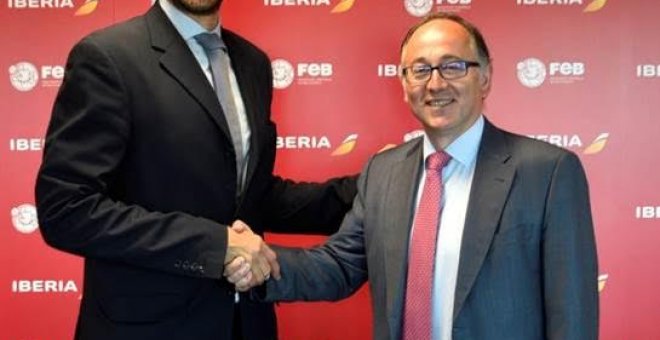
pixel 473 31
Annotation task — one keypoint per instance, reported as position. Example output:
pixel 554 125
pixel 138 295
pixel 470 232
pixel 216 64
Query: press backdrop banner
pixel 581 74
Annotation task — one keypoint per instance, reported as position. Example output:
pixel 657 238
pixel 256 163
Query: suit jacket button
pixel 186 265
pixel 177 264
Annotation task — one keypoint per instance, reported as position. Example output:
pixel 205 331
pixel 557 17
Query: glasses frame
pixel 466 64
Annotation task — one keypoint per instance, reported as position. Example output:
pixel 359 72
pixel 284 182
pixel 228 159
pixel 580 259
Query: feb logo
pixel 24 218
pixel 23 76
pixel 418 8
pixel 283 73
pixel 531 72
pixel 306 73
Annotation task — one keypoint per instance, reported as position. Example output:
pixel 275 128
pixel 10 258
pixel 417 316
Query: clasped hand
pixel 249 261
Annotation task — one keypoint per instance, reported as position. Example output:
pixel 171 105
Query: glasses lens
pixel 453 69
pixel 419 73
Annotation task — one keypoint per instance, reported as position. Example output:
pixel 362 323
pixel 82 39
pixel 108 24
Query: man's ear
pixel 485 79
pixel 403 89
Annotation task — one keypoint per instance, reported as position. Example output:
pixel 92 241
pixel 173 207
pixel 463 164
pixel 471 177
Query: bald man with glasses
pixel 468 232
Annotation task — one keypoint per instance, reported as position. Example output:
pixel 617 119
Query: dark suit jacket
pixel 527 267
pixel 139 177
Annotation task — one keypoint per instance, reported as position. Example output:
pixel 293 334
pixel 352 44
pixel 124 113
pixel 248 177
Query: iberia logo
pixel 343 6
pixel 87 8
pixel 595 6
pixel 346 146
pixel 575 142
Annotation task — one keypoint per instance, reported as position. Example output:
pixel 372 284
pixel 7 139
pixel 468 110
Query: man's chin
pixel 438 118
pixel 198 7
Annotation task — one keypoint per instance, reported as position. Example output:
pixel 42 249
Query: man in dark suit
pixel 512 255
pixel 141 177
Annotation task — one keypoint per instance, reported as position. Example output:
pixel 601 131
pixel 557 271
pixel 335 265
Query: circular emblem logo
pixel 282 73
pixel 418 8
pixel 23 76
pixel 24 218
pixel 531 72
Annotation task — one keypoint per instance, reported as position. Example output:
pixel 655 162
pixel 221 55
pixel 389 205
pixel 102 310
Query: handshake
pixel 249 261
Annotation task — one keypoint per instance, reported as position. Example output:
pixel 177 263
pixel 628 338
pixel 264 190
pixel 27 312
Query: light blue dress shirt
pixel 457 181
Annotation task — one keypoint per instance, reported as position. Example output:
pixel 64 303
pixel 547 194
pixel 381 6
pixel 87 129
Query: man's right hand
pixel 249 261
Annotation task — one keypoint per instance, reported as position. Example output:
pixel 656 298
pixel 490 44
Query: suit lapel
pixel 492 180
pixel 403 181
pixel 177 59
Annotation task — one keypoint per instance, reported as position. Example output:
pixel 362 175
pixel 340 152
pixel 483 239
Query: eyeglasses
pixel 418 74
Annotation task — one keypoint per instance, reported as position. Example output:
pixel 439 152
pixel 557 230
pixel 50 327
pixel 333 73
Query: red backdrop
pixel 583 74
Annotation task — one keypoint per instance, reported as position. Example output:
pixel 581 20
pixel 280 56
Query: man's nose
pixel 436 81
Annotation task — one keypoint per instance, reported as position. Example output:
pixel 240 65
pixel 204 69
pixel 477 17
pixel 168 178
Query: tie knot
pixel 437 160
pixel 210 41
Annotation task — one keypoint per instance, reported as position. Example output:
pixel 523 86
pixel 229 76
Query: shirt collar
pixel 185 25
pixel 464 148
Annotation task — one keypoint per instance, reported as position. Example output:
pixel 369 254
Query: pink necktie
pixel 421 260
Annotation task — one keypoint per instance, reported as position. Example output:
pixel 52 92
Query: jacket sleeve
pixel 309 208
pixel 332 271
pixel 570 263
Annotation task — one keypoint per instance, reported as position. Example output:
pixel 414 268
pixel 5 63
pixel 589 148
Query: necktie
pixel 421 260
pixel 216 51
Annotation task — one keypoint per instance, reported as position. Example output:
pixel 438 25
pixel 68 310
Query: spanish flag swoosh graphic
pixel 343 6
pixel 597 145
pixel 346 146
pixel 87 8
pixel 595 5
